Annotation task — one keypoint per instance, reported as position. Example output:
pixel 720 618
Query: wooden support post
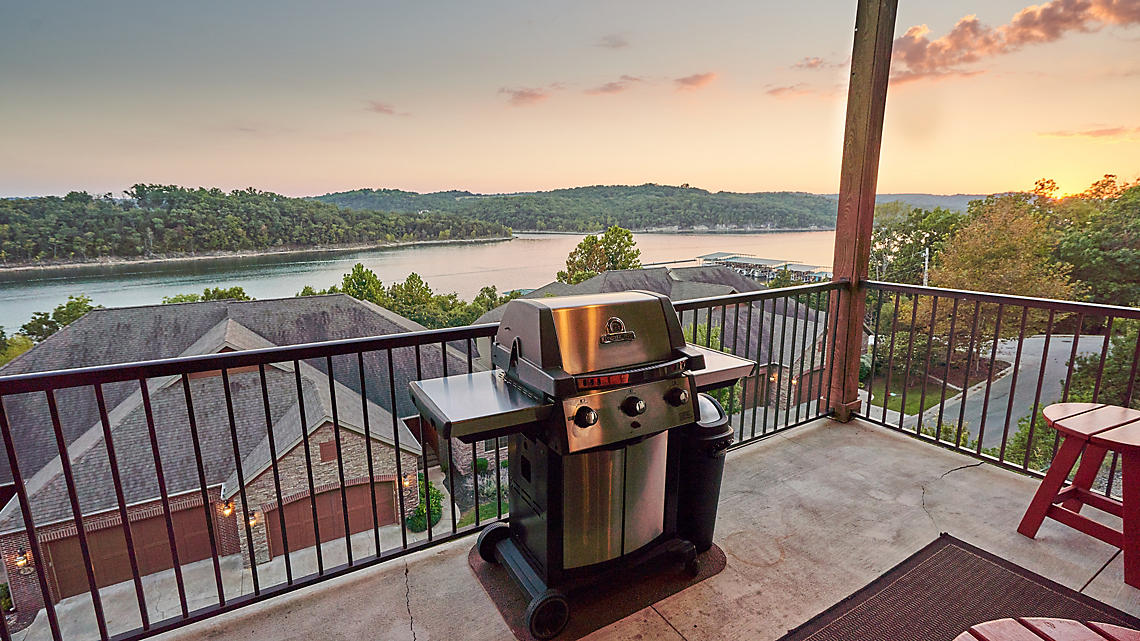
pixel 866 104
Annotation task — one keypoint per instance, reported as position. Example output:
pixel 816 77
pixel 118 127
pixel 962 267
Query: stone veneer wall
pixel 291 469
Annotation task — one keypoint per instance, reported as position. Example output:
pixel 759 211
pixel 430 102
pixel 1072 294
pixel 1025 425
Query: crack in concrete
pixel 928 514
pixel 933 521
pixel 408 600
pixel 961 467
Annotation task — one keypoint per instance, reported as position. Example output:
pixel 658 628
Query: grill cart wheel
pixel 547 614
pixel 489 538
pixel 693 566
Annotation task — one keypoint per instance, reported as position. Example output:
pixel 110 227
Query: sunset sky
pixel 305 98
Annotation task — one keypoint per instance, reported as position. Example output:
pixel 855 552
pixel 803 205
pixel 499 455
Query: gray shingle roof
pixel 774 323
pixel 130 433
pixel 127 334
pixel 131 438
pixel 678 283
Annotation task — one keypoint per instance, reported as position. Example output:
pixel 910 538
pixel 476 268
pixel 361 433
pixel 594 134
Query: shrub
pixel 481 465
pixel 433 502
pixel 5 598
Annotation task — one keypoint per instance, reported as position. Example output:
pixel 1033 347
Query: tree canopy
pixel 586 209
pixel 44 324
pixel 414 298
pixel 167 220
pixel 614 249
pixel 210 293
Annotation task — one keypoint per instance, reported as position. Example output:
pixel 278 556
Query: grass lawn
pixel 487 511
pixel 913 394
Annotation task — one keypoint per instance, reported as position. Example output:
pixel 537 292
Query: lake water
pixel 527 261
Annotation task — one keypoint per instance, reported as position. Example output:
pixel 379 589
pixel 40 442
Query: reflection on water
pixel 528 261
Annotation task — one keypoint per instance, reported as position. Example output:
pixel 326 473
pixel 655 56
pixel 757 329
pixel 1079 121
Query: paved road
pixel 1025 379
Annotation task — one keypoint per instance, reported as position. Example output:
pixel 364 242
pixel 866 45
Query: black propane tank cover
pixel 704 444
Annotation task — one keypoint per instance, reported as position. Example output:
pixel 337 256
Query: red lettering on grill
pixel 591 382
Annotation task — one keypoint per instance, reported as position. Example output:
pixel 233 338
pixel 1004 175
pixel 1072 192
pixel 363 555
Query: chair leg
pixel 1130 490
pixel 1054 479
pixel 1091 460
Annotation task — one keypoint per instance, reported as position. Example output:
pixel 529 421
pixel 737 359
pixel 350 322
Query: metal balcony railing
pixel 1009 356
pixel 226 506
pixel 228 486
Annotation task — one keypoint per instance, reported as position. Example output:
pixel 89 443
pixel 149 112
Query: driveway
pixel 120 603
pixel 1023 383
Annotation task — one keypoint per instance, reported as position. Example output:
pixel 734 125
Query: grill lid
pixel 561 338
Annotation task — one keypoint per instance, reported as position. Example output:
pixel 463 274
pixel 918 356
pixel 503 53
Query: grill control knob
pixel 633 406
pixel 585 416
pixel 677 396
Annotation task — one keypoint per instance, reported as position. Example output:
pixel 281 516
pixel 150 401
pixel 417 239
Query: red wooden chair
pixel 1092 429
pixel 1040 629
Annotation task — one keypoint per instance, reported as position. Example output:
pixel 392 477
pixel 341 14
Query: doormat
pixel 944 589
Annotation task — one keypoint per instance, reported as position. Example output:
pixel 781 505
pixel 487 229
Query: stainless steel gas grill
pixel 589 390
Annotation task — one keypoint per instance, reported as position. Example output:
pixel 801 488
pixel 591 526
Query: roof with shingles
pixel 678 283
pixel 131 434
pixel 128 334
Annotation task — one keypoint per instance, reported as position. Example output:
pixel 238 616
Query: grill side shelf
pixel 477 406
pixel 720 369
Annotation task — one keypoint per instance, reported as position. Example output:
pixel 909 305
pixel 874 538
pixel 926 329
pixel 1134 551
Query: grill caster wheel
pixel 547 614
pixel 693 566
pixel 489 538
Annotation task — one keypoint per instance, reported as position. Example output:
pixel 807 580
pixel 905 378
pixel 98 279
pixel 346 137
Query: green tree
pixel 1114 380
pixel 210 293
pixel 43 324
pixel 614 249
pixel 1017 260
pixel 782 279
pixel 1102 242
pixel 903 240
pixel 16 344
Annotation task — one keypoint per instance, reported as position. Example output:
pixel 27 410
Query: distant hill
pixel 583 209
pixel 954 202
pixel 172 221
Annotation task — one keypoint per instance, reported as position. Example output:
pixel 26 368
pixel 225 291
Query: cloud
pixel 521 96
pixel 1103 132
pixel 916 56
pixel 615 86
pixel 384 109
pixel 815 62
pixel 695 81
pixel 790 91
pixel 612 41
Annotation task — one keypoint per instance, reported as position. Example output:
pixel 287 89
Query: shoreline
pixel 248 253
pixel 671 230
pixel 354 247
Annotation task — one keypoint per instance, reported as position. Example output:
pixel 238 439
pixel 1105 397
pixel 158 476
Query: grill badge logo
pixel 616 332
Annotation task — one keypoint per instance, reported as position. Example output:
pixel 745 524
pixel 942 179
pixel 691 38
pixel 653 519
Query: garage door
pixel 109 557
pixel 299 516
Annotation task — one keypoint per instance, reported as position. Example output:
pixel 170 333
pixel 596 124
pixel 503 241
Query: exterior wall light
pixel 409 479
pixel 227 508
pixel 254 518
pixel 24 561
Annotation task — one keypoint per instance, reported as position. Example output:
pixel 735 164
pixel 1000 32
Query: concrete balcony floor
pixel 806 518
